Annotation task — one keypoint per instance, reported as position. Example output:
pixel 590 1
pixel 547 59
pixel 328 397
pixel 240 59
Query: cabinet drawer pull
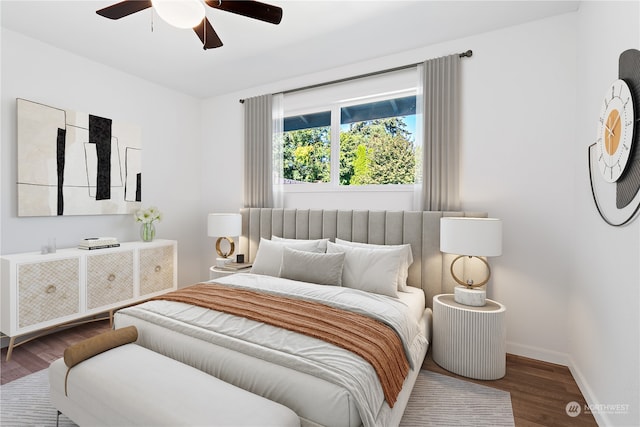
pixel 111 277
pixel 50 289
pixel 158 268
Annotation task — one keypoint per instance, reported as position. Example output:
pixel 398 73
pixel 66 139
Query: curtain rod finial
pixel 467 54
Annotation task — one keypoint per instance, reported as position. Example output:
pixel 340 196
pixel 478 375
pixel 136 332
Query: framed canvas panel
pixel 72 163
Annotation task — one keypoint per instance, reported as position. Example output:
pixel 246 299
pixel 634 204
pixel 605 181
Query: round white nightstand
pixel 216 273
pixel 469 341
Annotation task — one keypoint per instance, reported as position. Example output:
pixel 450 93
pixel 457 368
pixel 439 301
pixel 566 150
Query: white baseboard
pixel 538 353
pixel 601 418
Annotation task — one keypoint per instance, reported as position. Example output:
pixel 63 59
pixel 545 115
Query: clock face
pixel 615 132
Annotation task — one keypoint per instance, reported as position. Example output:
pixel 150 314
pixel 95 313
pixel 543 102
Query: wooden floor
pixel 540 391
pixel 39 353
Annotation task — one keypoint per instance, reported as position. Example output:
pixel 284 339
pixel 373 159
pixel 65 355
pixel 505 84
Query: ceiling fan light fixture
pixel 180 13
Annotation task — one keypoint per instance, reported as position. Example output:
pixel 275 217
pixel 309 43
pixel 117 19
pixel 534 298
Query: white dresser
pixel 43 291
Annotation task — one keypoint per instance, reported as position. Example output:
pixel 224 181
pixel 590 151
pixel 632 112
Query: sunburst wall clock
pixel 614 159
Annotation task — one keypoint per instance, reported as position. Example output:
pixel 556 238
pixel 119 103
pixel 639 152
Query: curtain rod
pixel 467 54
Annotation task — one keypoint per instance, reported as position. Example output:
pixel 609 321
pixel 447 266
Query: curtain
pixel 258 152
pixel 437 181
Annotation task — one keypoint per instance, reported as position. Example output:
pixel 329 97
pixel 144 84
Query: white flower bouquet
pixel 149 215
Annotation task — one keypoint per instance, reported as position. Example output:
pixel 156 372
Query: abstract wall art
pixel 72 163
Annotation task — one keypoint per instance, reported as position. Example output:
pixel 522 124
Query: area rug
pixel 25 402
pixel 437 400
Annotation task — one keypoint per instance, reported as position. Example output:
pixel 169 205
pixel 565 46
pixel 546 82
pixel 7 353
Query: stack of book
pixel 98 243
pixel 235 266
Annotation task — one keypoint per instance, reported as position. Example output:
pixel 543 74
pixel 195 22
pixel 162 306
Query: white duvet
pixel 300 352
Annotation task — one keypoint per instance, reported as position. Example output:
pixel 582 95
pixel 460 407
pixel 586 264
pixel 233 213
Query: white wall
pixel 604 296
pixel 222 164
pixel 518 128
pixel 518 124
pixel 171 143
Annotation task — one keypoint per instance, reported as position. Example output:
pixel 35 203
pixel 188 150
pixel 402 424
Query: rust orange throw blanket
pixel 374 341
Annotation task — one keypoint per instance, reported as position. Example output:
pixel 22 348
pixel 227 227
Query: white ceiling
pixel 313 36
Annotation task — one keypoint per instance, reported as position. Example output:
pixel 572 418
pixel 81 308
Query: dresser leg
pixel 12 341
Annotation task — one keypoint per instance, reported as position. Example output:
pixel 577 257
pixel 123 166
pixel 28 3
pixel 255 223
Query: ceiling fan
pixel 204 30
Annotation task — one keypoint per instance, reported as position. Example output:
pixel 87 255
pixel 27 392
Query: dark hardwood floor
pixel 539 391
pixel 39 353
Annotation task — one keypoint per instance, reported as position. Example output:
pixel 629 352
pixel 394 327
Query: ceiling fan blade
pixel 249 8
pixel 207 34
pixel 124 8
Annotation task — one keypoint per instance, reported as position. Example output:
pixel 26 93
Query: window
pixel 365 140
pixel 306 148
pixel 377 142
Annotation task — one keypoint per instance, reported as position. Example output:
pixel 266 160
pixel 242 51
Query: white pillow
pixel 370 269
pixel 320 268
pixel 322 243
pixel 269 256
pixel 404 270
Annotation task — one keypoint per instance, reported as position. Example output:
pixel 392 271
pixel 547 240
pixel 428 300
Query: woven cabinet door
pixel 48 290
pixel 109 279
pixel 156 269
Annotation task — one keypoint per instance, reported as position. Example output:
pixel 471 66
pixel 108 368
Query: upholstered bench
pixel 131 385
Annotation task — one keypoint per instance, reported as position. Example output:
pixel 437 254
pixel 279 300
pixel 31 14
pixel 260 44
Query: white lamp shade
pixel 471 236
pixel 180 13
pixel 224 225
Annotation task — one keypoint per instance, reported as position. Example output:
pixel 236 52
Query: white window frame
pixel 334 184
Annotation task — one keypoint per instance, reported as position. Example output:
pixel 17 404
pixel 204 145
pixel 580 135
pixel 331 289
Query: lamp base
pixel 221 262
pixel 474 297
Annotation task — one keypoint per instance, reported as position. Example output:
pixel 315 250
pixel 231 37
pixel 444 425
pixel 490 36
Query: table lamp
pixel 224 226
pixel 473 238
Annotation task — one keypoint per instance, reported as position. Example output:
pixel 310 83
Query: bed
pixel 324 383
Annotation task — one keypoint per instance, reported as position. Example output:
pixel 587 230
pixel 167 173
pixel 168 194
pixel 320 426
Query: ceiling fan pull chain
pixel 152 20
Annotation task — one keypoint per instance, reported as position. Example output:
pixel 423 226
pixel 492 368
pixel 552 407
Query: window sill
pixel 329 188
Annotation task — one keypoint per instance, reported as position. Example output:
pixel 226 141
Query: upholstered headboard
pixel 429 270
